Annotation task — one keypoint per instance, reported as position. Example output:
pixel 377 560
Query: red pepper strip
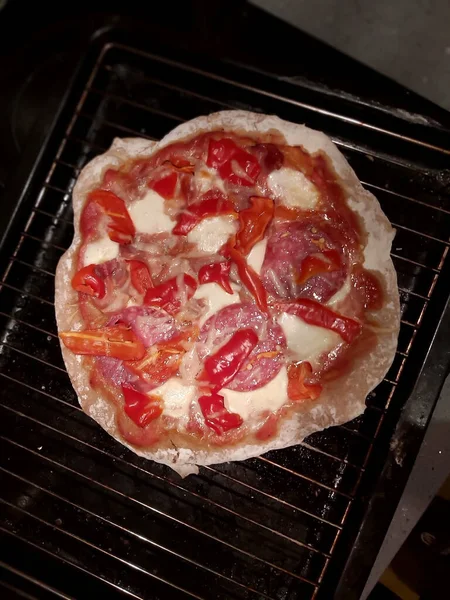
pixel 88 282
pixel 140 276
pixel 233 163
pixel 213 203
pixel 121 228
pixel 141 409
pixel 217 273
pixel 249 278
pixel 253 223
pixel 216 415
pixel 298 387
pixel 314 264
pixel 165 186
pixel 314 313
pixel 171 294
pixel 117 342
pixel 222 366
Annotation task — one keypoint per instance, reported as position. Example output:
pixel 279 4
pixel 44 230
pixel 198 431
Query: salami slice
pixel 287 248
pixel 265 360
pixel 151 325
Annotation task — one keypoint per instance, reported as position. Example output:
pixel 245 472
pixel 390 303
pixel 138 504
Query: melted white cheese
pixel 307 342
pixel 148 214
pixel 212 233
pixel 269 397
pixel 341 294
pixel 207 179
pixel 216 297
pixel 256 255
pixel 101 251
pixel 293 188
pixel 176 397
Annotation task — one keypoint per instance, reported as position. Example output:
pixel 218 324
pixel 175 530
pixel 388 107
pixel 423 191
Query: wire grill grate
pixel 263 528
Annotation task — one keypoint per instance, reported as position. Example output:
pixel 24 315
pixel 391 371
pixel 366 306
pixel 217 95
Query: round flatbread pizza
pixel 228 291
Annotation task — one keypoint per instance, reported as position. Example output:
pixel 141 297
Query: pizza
pixel 228 291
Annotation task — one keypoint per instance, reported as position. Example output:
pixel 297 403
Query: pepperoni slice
pixel 286 249
pixel 265 360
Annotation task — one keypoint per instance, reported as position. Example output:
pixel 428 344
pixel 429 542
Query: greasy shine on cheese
pixel 212 233
pixel 256 255
pixel 216 299
pixel 293 189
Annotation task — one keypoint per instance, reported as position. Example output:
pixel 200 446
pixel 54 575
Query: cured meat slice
pixel 265 360
pixel 152 325
pixel 287 249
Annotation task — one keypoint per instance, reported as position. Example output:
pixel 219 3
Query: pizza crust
pixel 343 399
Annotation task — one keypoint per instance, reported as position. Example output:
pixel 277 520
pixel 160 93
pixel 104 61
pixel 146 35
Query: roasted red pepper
pixel 314 313
pixel 117 342
pixel 165 186
pixel 217 273
pixel 88 282
pixel 222 366
pixel 140 276
pixel 249 278
pixel 120 227
pixel 315 264
pixel 217 417
pixel 298 386
pixel 172 294
pixel 233 163
pixel 211 204
pixel 141 408
pixel 253 223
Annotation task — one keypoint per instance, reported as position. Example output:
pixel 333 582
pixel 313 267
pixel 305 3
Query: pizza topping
pixel 217 417
pixel 293 189
pixel 165 186
pixel 283 273
pixel 100 251
pixel 117 342
pixel 232 162
pixel 307 342
pixel 299 384
pixel 151 325
pixel 140 276
pixel 256 257
pixel 215 298
pixel 148 214
pixel 253 223
pixel 88 282
pixel 222 366
pixel 316 314
pixel 217 273
pixel 211 204
pixel 264 361
pixel 141 408
pixel 212 233
pixel 249 278
pixel 172 294
pixel 120 226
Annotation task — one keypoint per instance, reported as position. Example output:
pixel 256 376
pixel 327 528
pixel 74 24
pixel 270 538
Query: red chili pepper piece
pixel 141 408
pixel 165 186
pixel 212 203
pixel 120 228
pixel 222 366
pixel 249 278
pixel 217 417
pixel 298 386
pixel 217 273
pixel 140 276
pixel 314 264
pixel 233 163
pixel 117 342
pixel 88 282
pixel 253 223
pixel 314 313
pixel 171 294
